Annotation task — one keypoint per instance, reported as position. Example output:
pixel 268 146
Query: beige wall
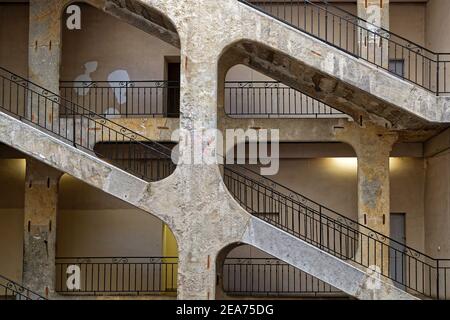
pixel 407 196
pixel 327 174
pixel 408 20
pixel 12 184
pixel 92 223
pixel 437 202
pixel 14 38
pixel 438 25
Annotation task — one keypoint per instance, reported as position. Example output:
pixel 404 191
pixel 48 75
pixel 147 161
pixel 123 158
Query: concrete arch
pixel 102 230
pixel 142 15
pixel 280 66
pixel 244 270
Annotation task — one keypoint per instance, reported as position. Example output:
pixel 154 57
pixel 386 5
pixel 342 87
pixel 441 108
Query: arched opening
pixel 312 195
pixel 12 178
pixel 117 99
pixel 114 248
pixel 252 94
pixel 317 174
pixel 113 68
pixel 247 272
pixel 147 160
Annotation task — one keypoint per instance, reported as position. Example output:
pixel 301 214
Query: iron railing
pixel 11 290
pixel 338 235
pixel 117 276
pixel 363 39
pixel 271 277
pixel 84 128
pixel 157 98
pixel 272 99
pixel 124 98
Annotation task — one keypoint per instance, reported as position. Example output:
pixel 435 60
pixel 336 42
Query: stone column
pixel 44 57
pixel 373 150
pixel 196 269
pixel 41 197
pixel 371 46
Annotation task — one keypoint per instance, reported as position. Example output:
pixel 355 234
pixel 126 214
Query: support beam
pixel 373 181
pixel 44 57
pixel 373 147
pixel 41 202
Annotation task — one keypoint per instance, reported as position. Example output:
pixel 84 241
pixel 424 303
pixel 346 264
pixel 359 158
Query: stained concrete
pixel 194 201
pixel 348 278
pixel 41 203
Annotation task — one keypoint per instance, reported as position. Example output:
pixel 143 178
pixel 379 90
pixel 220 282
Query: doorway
pixel 173 89
pixel 397 258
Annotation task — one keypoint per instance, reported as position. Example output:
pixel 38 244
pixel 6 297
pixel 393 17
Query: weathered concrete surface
pixel 143 18
pixel 194 201
pixel 371 47
pixel 204 219
pixel 326 73
pixel 319 264
pixel 40 218
pixel 44 56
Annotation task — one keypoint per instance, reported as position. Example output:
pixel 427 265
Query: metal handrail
pixel 21 97
pixel 271 277
pixel 58 99
pixel 118 275
pixel 151 98
pixel 328 230
pixel 10 288
pixel 426 68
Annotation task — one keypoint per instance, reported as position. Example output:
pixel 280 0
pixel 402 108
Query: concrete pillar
pixel 44 57
pixel 373 150
pixel 196 275
pixel 197 253
pixel 41 197
pixel 372 47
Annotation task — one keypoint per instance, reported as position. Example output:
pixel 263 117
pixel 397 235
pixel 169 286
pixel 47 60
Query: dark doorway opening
pixel 173 89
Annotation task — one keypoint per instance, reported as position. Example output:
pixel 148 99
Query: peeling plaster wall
pixel 114 45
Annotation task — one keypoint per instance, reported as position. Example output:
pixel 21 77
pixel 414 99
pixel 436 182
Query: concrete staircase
pixel 342 242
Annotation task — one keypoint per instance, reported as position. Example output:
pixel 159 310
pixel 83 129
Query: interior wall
pixel 327 174
pixel 93 223
pixel 438 25
pixel 14 37
pixel 437 204
pixel 12 188
pixel 407 190
pixel 114 45
pixel 408 21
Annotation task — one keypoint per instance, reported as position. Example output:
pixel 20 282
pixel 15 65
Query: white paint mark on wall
pixel 118 81
pixel 85 78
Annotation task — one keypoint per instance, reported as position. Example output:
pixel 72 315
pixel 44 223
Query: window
pixel 397 67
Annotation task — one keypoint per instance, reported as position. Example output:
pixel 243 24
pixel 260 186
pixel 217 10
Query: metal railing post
pixel 320 226
pixel 74 131
pixel 437 280
pixel 437 73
